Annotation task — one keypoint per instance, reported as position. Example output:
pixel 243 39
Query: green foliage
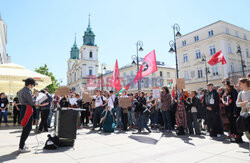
pixel 45 71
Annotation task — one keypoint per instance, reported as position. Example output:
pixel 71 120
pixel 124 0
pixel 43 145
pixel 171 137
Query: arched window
pixel 90 71
pixel 90 55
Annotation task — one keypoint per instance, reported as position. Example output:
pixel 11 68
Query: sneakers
pixel 24 150
pixel 218 135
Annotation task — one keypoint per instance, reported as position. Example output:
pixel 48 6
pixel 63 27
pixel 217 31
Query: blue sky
pixel 42 31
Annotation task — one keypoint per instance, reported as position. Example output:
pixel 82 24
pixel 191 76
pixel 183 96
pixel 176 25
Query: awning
pixel 12 76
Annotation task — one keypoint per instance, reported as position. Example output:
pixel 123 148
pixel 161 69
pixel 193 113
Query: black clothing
pixel 25 98
pixel 213 119
pixel 3 102
pixel 26 129
pixel 64 103
pixel 44 120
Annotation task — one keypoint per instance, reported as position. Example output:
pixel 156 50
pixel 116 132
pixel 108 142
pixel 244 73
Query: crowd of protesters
pixel 209 111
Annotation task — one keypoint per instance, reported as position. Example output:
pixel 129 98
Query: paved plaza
pixel 94 146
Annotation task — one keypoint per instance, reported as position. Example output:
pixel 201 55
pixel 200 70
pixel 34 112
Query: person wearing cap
pixel 212 106
pixel 26 111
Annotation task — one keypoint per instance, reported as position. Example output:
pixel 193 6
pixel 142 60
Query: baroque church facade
pixel 83 62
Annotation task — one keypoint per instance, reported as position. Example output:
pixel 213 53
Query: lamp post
pixel 242 62
pixel 172 44
pixel 102 68
pixel 135 59
pixel 204 59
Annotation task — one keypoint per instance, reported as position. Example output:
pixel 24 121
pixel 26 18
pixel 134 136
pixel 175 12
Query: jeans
pixel 118 116
pixel 142 122
pixel 26 129
pixel 50 117
pixel 4 116
pixel 154 118
pixel 166 119
pixel 131 118
pixel 124 120
pixel 192 122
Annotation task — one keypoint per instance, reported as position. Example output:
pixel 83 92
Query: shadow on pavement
pixel 10 156
pixel 59 149
pixel 144 139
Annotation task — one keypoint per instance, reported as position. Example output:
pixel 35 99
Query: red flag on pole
pixel 216 58
pixel 148 66
pixel 115 82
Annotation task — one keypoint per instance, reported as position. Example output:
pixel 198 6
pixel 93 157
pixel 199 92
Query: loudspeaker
pixel 66 124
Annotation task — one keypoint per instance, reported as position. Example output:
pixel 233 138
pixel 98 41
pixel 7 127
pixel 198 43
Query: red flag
pixel 115 82
pixel 148 66
pixel 27 115
pixel 216 58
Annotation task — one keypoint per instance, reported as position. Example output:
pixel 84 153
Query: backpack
pixel 52 143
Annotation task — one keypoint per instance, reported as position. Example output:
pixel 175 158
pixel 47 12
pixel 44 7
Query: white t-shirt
pixel 72 101
pixel 111 101
pixel 98 101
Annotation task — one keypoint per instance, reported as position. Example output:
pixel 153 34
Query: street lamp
pixel 204 59
pixel 135 59
pixel 242 62
pixel 172 44
pixel 103 67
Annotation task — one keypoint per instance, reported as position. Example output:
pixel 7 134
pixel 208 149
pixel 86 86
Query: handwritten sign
pixel 86 97
pixel 61 91
pixel 156 92
pixel 124 102
pixel 180 83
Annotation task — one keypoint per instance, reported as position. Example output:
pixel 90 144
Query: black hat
pixel 29 81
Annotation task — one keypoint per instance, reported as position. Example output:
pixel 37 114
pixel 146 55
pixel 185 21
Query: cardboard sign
pixel 86 97
pixel 124 102
pixel 156 92
pixel 61 91
pixel 180 83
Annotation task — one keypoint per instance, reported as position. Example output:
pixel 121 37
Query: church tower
pixel 83 62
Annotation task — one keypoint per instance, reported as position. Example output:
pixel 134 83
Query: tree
pixel 45 71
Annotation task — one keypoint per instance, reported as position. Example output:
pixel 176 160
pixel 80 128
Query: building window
pixel 232 67
pixel 229 49
pixel 160 73
pixel 90 54
pixel 212 50
pixel 245 37
pixel 247 53
pixel 200 75
pixel 168 74
pixel 185 58
pixel 186 75
pixel 236 34
pixel 198 54
pixel 196 38
pixel 215 70
pixel 210 33
pixel 184 43
pixel 90 71
pixel 227 31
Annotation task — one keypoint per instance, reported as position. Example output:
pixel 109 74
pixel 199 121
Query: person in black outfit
pixel 229 100
pixel 45 110
pixel 212 106
pixel 4 108
pixel 16 111
pixel 85 114
pixel 26 101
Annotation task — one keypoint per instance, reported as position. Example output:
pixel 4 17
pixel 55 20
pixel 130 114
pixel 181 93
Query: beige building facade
pixel 162 77
pixel 199 45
